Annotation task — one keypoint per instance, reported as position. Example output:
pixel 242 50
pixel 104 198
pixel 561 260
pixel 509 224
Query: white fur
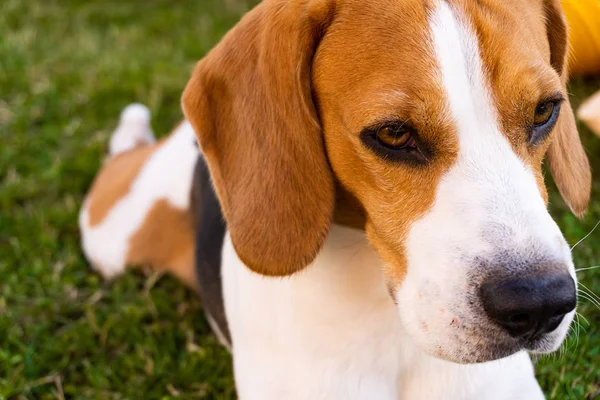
pixel 166 175
pixel 133 130
pixel 332 332
pixel 487 203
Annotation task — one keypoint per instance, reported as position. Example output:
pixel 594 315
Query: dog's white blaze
pixel 166 175
pixel 489 179
pixel 488 201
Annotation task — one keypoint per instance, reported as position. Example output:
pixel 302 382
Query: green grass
pixel 67 68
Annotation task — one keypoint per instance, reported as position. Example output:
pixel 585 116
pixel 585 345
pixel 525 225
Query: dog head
pixel 434 117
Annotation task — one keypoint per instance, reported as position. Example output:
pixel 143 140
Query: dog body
pixel 137 211
pixel 423 125
pixel 370 211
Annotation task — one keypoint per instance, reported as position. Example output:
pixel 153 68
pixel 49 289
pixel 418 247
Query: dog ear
pixel 250 103
pixel 567 160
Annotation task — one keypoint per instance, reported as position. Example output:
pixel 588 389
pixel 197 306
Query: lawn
pixel 67 68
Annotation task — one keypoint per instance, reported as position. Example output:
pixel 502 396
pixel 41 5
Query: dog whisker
pixel 587 296
pixel 590 292
pixel 578 327
pixel 586 236
pixel 586 269
pixel 585 319
pixel 574 330
pixel 561 350
pixel 590 299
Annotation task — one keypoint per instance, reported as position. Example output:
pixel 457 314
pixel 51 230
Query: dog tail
pixel 134 129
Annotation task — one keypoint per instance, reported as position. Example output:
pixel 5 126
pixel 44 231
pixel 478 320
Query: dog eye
pixel 396 141
pixel 543 113
pixel 395 137
pixel 544 119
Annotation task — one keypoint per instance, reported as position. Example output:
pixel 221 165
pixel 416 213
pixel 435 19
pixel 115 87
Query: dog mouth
pixel 483 348
pixel 496 343
pixel 472 338
pixel 551 340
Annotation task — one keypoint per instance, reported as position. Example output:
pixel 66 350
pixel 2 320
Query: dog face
pixel 435 117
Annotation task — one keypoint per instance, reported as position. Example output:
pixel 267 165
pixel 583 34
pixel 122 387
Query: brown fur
pixel 250 101
pixel 295 74
pixel 377 67
pixel 566 157
pixel 166 242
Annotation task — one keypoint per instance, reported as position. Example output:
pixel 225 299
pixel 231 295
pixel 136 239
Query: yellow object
pixel 583 17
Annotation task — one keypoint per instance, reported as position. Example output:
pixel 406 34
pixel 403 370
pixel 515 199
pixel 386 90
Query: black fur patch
pixel 210 232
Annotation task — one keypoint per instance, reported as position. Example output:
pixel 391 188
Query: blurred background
pixel 67 69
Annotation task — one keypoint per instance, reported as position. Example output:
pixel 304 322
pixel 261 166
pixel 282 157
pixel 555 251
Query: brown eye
pixel 543 113
pixel 546 115
pixel 396 141
pixel 395 137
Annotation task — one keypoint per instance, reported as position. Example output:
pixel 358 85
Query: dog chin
pixel 478 354
pixel 475 350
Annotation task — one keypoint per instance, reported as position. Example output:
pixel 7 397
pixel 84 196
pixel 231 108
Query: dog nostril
pixel 519 319
pixel 553 322
pixel 518 324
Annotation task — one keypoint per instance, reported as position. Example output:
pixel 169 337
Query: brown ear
pixel 250 102
pixel 567 160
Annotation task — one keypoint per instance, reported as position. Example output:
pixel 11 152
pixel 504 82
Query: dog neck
pixel 348 210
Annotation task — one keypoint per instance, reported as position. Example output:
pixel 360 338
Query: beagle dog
pixel 138 211
pixel 369 210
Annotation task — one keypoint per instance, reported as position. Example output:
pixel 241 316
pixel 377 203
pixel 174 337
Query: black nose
pixel 529 307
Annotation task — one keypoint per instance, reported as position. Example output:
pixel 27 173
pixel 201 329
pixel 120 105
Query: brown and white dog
pixel 379 168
